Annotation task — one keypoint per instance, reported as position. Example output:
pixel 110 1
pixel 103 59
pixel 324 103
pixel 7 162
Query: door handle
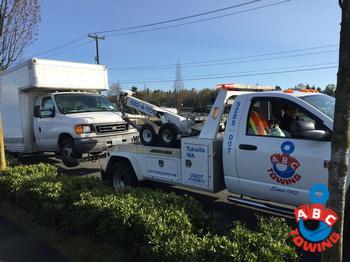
pixel 39 129
pixel 247 147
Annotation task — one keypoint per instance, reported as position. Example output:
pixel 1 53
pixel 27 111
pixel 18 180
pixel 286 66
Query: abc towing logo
pixel 322 237
pixel 284 166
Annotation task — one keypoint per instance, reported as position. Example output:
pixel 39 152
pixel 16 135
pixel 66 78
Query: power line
pixel 237 72
pixel 177 19
pixel 227 59
pixel 200 20
pixel 79 39
pixel 68 43
pixel 242 75
pixel 227 63
pixel 72 48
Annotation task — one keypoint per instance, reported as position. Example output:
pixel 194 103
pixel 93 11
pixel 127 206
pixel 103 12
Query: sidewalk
pixel 17 245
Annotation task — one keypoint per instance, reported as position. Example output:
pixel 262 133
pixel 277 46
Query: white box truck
pixel 57 106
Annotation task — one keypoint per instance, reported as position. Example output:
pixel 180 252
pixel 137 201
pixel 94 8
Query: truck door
pixel 44 124
pixel 282 151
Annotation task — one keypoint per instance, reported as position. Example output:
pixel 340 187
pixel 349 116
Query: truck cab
pixel 277 145
pixel 75 123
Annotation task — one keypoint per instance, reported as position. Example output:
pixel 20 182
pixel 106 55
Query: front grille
pixel 110 128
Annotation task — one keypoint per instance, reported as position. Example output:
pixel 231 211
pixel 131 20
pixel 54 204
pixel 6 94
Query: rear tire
pixel 169 135
pixel 70 156
pixel 122 176
pixel 148 135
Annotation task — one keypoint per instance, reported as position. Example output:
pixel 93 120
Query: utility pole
pixel 96 37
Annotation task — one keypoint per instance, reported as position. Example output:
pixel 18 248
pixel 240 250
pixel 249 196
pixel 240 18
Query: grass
pixel 74 247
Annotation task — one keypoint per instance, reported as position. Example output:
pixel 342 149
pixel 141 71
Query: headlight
pixel 82 129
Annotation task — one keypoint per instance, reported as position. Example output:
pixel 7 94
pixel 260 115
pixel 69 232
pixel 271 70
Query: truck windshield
pixel 78 103
pixel 324 103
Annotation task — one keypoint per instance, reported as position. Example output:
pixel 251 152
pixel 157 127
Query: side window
pixel 278 118
pixel 47 107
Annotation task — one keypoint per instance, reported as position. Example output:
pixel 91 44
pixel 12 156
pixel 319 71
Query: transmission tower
pixel 178 87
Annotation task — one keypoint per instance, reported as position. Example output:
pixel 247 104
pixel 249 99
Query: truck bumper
pixel 100 144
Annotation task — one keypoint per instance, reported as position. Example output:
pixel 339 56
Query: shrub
pixel 161 226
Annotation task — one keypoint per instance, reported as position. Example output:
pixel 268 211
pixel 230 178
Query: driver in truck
pixel 289 115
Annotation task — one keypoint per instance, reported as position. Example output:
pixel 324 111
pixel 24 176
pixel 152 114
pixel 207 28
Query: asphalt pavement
pixel 17 245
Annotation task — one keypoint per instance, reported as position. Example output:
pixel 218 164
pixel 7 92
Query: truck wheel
pixel 169 135
pixel 148 135
pixel 68 153
pixel 123 175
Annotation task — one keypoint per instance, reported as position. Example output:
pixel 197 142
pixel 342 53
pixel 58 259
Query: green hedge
pixel 158 226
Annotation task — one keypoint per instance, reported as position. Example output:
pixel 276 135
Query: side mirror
pixel 306 129
pixel 37 111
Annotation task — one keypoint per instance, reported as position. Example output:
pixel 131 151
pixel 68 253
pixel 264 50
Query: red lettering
pixel 275 159
pixel 297 177
pixel 293 163
pixel 309 246
pixel 301 212
pixel 330 217
pixel 291 181
pixel 295 232
pixel 285 159
pixel 334 237
pixel 273 176
pixel 326 244
pixel 298 241
pixel 281 180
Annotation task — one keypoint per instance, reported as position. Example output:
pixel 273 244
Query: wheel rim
pixel 67 151
pixel 118 182
pixel 167 136
pixel 147 135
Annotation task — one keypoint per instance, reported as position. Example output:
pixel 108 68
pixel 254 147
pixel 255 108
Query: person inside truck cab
pixel 288 116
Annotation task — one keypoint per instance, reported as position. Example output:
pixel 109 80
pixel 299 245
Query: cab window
pixel 47 107
pixel 280 118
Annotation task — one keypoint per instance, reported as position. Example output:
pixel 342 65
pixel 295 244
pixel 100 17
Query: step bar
pixel 270 208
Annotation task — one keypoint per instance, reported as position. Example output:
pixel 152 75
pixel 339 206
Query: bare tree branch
pixel 18 28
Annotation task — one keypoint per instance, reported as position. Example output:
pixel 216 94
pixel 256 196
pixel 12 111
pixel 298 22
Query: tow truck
pixel 255 163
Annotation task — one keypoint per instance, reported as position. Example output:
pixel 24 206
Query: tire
pixel 122 176
pixel 148 135
pixel 68 153
pixel 169 135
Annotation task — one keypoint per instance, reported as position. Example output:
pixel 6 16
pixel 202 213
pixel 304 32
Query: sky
pixel 256 45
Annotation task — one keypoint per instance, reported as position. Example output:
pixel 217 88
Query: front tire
pixel 123 176
pixel 68 153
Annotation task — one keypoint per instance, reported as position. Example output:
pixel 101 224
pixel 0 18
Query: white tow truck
pixel 275 147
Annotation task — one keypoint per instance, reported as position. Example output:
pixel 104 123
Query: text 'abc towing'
pixel 322 237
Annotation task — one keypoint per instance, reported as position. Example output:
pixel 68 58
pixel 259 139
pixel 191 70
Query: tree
pixel 18 27
pixel 338 165
pixel 114 91
pixel 330 90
